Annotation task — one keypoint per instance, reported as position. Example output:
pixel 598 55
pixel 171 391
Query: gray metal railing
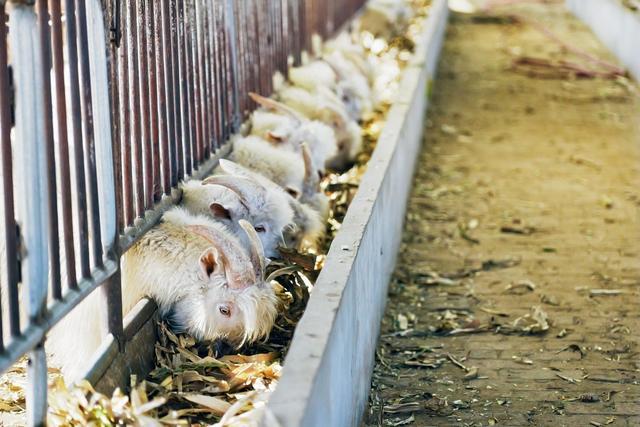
pixel 105 106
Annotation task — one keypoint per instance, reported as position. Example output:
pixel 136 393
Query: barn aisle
pixel 515 300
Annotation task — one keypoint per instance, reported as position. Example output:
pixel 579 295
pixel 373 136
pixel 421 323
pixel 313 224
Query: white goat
pixel 229 199
pixel 199 274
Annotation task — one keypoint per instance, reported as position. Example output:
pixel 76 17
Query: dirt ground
pixel 515 300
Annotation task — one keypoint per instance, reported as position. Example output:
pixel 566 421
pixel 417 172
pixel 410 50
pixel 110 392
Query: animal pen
pixel 109 105
pixel 115 114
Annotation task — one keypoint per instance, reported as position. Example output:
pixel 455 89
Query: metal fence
pixel 105 106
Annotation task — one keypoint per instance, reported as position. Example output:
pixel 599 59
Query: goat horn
pixel 245 188
pixel 336 70
pixel 237 267
pixel 309 172
pixel 272 104
pixel 233 168
pixel 257 251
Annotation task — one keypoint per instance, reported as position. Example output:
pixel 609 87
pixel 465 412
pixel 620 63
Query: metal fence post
pixel 230 22
pixel 104 160
pixel 31 158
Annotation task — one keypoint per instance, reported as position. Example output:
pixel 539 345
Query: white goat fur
pixel 267 208
pixel 312 75
pixel 320 137
pixel 166 266
pixel 282 167
pixel 324 106
pixel 309 223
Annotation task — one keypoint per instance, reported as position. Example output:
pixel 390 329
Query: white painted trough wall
pixel 617 27
pixel 327 374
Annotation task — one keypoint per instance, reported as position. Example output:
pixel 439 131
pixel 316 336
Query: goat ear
pixel 219 211
pixel 210 262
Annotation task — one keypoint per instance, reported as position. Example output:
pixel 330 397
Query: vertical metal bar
pixel 214 74
pixel 116 105
pixel 163 113
pixel 238 22
pixel 62 142
pixel 168 86
pixel 253 51
pixel 37 389
pixel 299 28
pixel 184 90
pixel 45 59
pixel 146 170
pixel 154 168
pixel 112 292
pixel 225 79
pixel 9 225
pixel 126 85
pixel 134 103
pixel 78 153
pixel 197 71
pixel 272 43
pixel 203 81
pixel 234 66
pixel 168 89
pixel 177 100
pixel 29 156
pixel 262 51
pixel 191 123
pixel 89 137
pixel 125 121
pixel 209 107
pixel 96 38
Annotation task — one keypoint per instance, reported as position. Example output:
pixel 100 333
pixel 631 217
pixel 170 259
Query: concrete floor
pixel 515 299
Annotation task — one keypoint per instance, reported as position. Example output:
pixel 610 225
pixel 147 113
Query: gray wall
pixel 615 25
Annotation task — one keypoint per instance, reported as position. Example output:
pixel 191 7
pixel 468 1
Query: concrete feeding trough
pixel 327 372
pixel 616 25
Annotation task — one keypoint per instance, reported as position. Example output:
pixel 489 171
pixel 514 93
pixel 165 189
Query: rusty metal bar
pixel 192 156
pixel 209 106
pixel 62 142
pixel 78 152
pixel 232 65
pixel 115 85
pixel 184 97
pixel 271 43
pixel 214 75
pixel 262 52
pixel 125 125
pixel 197 81
pixel 89 137
pixel 9 227
pixel 146 170
pixel 45 59
pixel 193 80
pixel 163 116
pixel 103 136
pixel 177 106
pixel 240 36
pixel 203 81
pixel 153 167
pixel 168 89
pixel 135 139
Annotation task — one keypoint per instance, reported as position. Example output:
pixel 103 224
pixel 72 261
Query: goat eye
pixel 293 192
pixel 259 229
pixel 224 310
